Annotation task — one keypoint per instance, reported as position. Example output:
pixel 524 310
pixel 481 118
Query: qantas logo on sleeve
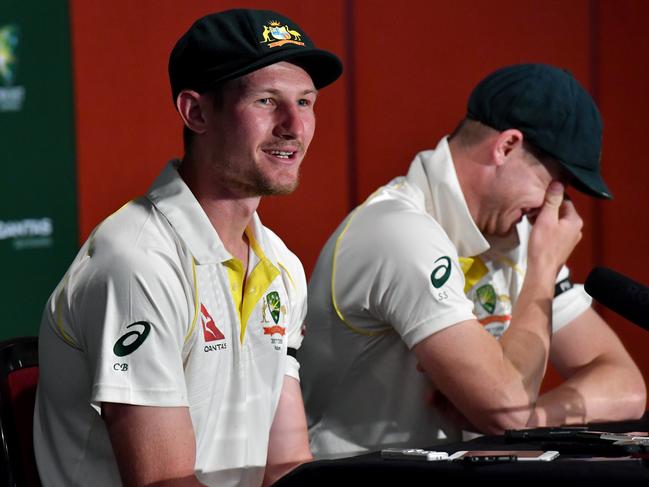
pixel 210 332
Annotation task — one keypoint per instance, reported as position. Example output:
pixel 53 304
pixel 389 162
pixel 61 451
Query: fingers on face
pixel 554 194
pixel 567 210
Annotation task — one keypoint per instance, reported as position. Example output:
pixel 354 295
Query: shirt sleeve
pixel 297 290
pixel 399 269
pixel 134 311
pixel 569 304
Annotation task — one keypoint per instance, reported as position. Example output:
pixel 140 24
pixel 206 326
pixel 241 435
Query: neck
pixel 229 214
pixel 230 219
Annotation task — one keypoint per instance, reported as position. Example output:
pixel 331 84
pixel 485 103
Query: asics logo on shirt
pixel 131 341
pixel 441 273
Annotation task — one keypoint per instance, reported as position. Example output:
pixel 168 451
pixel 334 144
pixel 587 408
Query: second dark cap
pixel 226 45
pixel 552 110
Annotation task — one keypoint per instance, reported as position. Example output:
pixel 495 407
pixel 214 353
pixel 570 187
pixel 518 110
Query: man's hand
pixel 556 231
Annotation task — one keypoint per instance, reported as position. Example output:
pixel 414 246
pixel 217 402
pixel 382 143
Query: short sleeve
pixel 135 310
pixel 295 282
pixel 396 267
pixel 570 303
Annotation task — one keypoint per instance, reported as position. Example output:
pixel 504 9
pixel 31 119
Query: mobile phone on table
pixel 413 454
pixel 503 456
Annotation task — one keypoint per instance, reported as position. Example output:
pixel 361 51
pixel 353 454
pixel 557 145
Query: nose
pixel 290 124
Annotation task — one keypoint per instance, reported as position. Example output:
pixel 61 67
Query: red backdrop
pixel 408 72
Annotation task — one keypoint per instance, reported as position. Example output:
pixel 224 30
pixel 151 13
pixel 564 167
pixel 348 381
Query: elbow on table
pixel 495 423
pixel 631 400
pixel 637 401
pixel 505 408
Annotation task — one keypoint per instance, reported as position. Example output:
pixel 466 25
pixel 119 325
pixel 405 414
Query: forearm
pixel 288 444
pixel 526 342
pixel 502 396
pixel 496 386
pixel 496 383
pixel 153 446
pixel 601 391
pixel 483 385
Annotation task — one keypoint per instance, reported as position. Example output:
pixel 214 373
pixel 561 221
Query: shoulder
pixel 390 243
pixel 390 226
pixel 137 225
pixel 135 242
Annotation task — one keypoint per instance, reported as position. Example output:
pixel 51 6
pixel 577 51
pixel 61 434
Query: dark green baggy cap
pixel 226 45
pixel 553 111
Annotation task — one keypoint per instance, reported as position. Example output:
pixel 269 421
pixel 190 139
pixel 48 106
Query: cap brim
pixel 323 66
pixel 589 182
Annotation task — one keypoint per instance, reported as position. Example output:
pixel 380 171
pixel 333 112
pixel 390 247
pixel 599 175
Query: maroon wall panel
pixel 623 71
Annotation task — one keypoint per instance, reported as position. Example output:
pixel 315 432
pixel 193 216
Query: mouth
pixel 284 154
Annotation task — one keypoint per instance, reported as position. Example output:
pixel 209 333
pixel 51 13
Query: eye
pixel 265 101
pixel 305 102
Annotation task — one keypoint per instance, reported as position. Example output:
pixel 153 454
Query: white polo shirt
pixel 401 267
pixel 151 312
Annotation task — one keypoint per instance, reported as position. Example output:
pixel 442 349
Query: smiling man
pixel 436 305
pixel 167 352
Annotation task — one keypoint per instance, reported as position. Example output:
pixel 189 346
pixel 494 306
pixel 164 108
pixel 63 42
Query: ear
pixel 507 143
pixel 190 107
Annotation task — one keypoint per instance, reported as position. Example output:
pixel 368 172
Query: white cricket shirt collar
pixel 433 172
pixel 173 198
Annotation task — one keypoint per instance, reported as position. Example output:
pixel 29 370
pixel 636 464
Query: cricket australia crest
pixel 272 311
pixel 276 35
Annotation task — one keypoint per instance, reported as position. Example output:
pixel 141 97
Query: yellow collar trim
pixel 247 292
pixel 473 269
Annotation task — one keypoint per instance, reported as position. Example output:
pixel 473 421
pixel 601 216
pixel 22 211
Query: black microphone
pixel 621 294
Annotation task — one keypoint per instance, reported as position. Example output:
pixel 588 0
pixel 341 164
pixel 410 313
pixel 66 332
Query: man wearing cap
pixel 436 305
pixel 167 352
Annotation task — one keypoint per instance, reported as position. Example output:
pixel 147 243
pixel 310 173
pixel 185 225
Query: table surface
pixel 582 461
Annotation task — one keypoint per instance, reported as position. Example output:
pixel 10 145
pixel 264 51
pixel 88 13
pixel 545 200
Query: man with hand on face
pixel 451 280
pixel 167 352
